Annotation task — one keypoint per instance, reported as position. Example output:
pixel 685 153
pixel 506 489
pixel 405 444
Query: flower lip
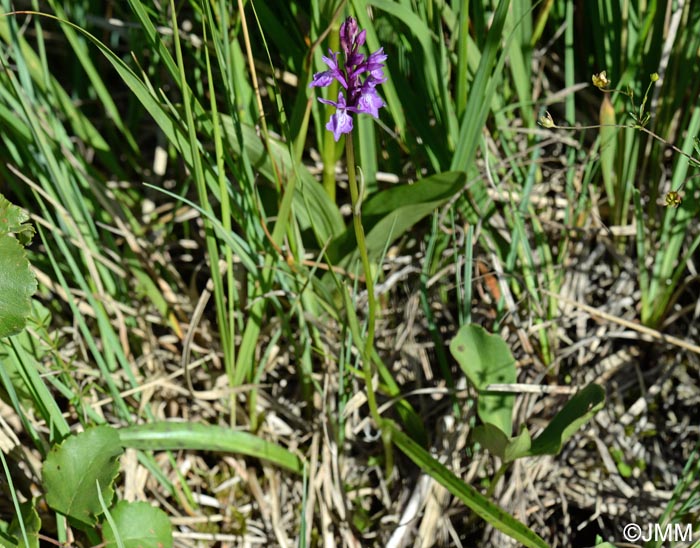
pixel 341 121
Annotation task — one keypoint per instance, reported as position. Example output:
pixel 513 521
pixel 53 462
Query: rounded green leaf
pixel 73 469
pixel 138 525
pixel 486 359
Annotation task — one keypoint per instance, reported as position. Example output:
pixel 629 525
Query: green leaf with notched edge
pixel 138 525
pixel 12 221
pixel 73 468
pixel 17 281
pixel 486 359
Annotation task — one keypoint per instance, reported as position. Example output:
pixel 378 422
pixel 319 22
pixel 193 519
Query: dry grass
pixel 646 428
pixel 621 467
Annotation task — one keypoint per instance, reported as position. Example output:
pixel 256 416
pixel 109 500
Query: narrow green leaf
pixel 388 87
pixel 82 126
pixel 479 101
pixel 478 503
pixel 161 436
pixel 81 55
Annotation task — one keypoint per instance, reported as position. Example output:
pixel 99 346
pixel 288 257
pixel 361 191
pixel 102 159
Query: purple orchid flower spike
pixel 362 96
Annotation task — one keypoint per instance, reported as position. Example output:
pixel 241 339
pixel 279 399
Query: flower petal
pixel 322 79
pixel 340 122
pixel 370 102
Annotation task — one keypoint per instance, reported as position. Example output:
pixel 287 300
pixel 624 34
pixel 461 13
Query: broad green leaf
pixel 139 525
pixel 17 281
pixel 508 449
pixel 17 285
pixel 486 359
pixel 161 436
pixel 491 438
pixel 436 188
pixel 518 446
pixel 388 214
pixel 575 413
pixel 73 468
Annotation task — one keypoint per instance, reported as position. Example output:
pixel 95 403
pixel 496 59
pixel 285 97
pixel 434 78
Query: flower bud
pixel 348 34
pixel 673 199
pixel 601 80
pixel 546 121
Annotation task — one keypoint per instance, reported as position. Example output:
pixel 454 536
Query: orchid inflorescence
pixel 362 95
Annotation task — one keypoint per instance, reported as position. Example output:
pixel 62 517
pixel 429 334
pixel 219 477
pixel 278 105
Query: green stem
pixel 369 280
pixel 496 478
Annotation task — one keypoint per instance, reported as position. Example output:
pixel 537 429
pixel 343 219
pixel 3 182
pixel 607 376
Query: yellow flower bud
pixel 654 76
pixel 673 199
pixel 601 80
pixel 546 121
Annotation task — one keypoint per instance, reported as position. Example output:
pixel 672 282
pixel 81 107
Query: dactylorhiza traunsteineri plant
pixel 361 95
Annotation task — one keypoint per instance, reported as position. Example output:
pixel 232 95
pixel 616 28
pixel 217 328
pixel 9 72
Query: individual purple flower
pixel 341 121
pixel 362 96
pixel 369 102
